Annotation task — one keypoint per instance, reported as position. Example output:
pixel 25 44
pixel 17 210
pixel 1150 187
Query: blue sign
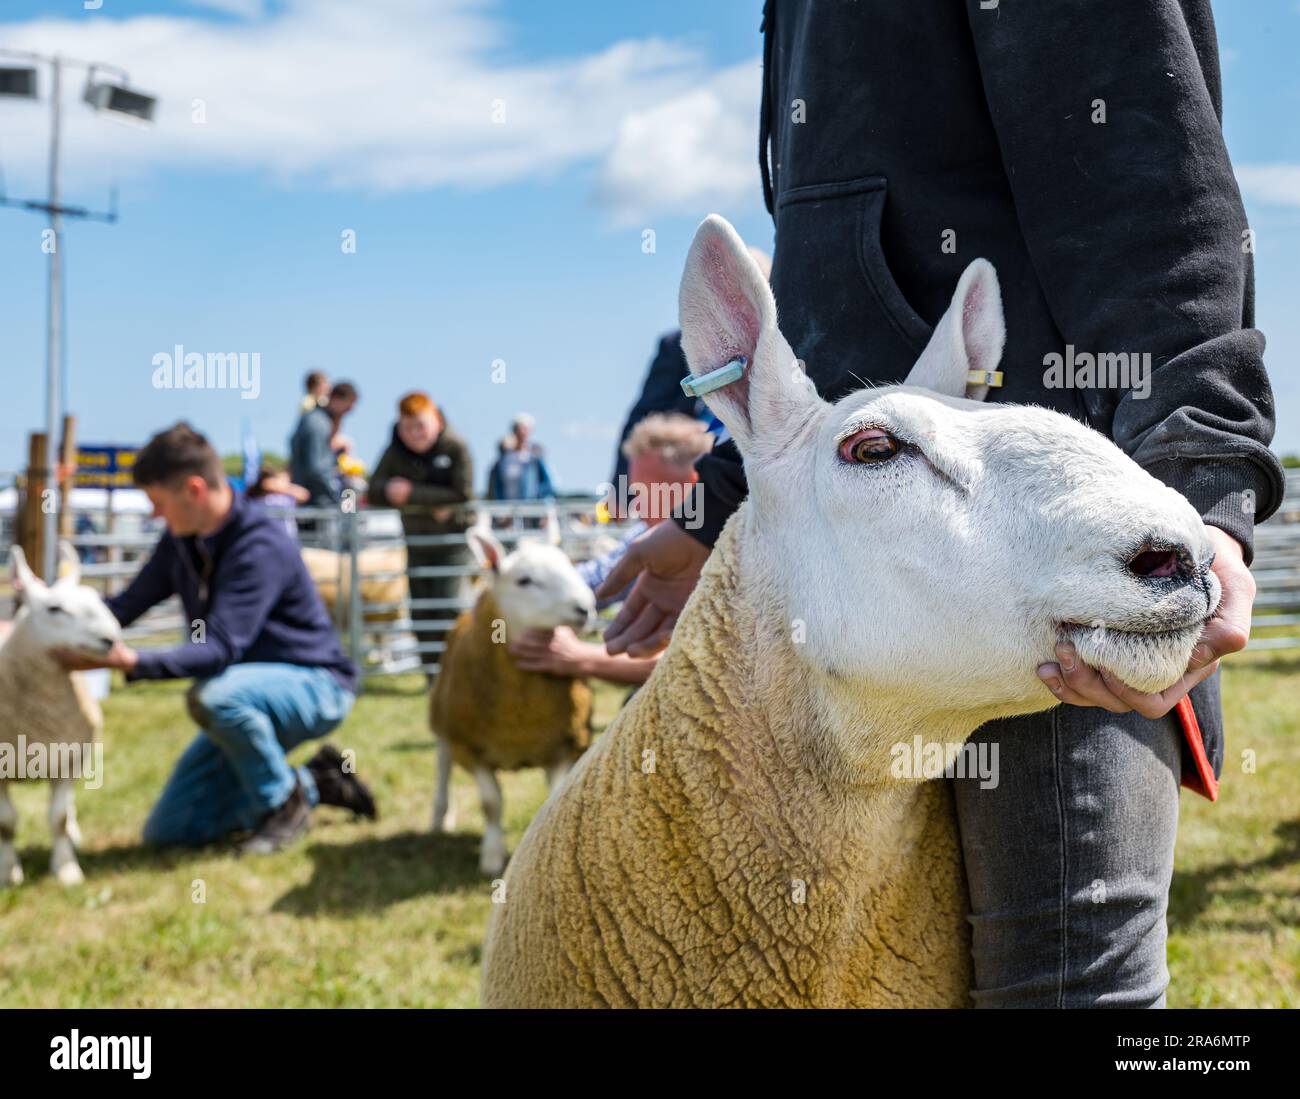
pixel 105 467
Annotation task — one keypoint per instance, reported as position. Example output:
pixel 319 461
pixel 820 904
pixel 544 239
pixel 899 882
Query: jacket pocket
pixel 834 286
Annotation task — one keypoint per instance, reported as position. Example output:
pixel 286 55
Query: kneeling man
pixel 268 669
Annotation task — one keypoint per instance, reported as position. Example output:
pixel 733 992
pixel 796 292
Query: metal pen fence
pixel 359 560
pixel 385 623
pixel 1276 569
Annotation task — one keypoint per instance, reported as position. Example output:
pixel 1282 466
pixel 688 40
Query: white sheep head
pixel 536 585
pixel 932 548
pixel 65 614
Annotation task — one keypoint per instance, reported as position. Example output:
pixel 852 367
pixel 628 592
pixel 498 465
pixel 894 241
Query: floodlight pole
pixel 54 330
pixel 54 341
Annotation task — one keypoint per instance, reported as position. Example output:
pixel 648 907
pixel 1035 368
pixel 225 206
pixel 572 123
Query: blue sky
pixel 477 240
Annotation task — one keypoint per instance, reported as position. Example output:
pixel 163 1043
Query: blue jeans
pixel 1068 860
pixel 235 771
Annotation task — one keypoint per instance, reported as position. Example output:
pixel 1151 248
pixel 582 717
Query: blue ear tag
pixel 696 385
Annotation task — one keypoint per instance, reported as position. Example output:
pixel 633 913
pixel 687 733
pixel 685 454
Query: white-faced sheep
pixel 488 714
pixel 740 835
pixel 47 715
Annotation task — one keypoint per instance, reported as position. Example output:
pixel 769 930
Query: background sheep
pixel 489 715
pixel 43 704
pixel 382 570
pixel 741 833
pixel 373 565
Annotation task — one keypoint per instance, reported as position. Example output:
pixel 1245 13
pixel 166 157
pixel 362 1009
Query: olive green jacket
pixel 441 478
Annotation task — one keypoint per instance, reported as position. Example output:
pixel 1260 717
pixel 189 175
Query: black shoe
pixel 337 786
pixel 280 827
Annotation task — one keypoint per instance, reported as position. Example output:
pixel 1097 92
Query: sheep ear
pixel 70 572
pixel 25 581
pixel 486 549
pixel 727 310
pixel 969 337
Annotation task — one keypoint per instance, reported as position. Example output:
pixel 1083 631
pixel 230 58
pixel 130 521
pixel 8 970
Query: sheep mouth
pixel 97 645
pixel 1146 659
pixel 1099 630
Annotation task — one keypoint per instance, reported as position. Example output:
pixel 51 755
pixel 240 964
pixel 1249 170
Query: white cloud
pixel 395 95
pixel 696 151
pixel 1270 184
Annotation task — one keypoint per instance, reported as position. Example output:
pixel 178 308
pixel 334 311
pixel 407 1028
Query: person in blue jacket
pixel 519 472
pixel 315 443
pixel 267 666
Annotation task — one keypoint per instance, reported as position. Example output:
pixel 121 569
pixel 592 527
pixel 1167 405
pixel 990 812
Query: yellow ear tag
pixel 984 377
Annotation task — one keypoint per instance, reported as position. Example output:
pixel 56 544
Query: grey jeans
pixel 1068 859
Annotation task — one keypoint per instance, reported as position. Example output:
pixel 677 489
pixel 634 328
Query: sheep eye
pixel 870 447
pixel 54 608
pixel 524 581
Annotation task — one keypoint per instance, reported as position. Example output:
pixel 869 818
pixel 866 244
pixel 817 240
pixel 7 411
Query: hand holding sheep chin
pixel 122 657
pixel 555 652
pixel 1074 682
pixel 665 562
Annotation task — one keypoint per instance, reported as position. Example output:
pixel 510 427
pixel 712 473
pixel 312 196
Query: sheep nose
pixel 1167 562
pixel 1154 564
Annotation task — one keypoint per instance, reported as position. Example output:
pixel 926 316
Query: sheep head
pixel 536 585
pixel 65 614
pixel 929 548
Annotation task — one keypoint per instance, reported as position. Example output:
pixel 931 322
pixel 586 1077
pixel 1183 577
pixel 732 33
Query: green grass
pixel 1234 908
pixel 388 914
pixel 358 914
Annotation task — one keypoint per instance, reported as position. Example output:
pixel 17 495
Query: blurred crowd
pixel 425 465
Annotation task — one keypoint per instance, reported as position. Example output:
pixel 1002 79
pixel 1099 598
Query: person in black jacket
pixel 426 471
pixel 1077 146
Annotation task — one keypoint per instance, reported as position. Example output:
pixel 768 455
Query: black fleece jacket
pixel 1077 145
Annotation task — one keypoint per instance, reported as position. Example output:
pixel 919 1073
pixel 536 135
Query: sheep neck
pixel 21 654
pixel 735 649
pixel 768 828
pixel 43 701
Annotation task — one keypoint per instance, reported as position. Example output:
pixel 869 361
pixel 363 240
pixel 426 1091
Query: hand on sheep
pixel 1227 632
pixel 556 652
pixel 665 562
pixel 119 656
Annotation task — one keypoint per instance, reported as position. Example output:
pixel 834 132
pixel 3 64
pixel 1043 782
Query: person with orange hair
pixel 427 474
